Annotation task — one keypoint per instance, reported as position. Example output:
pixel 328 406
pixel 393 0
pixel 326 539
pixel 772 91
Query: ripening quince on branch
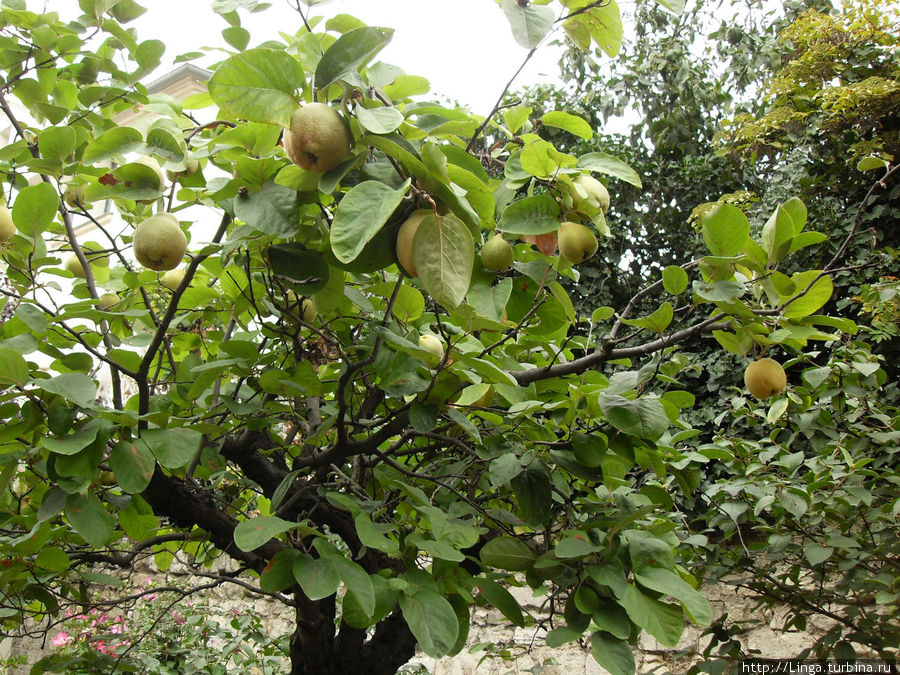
pixel 596 191
pixel 159 243
pixel 172 279
pixel 107 301
pixel 497 254
pixel 318 138
pixel 432 344
pixel 576 242
pixel 405 236
pixel 764 378
pixel 7 227
pixel 73 265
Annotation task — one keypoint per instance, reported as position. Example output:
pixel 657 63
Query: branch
pixel 604 354
pixel 173 498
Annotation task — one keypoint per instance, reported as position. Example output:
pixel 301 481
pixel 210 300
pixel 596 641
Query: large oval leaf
pixel 252 533
pixel 644 417
pixel 318 577
pixel 432 620
pixel 349 52
pixel 360 215
pixel 530 216
pixel 725 230
pixel 507 553
pixel 530 23
pixel 258 85
pixel 444 254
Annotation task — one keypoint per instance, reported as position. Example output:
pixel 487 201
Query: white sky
pixel 464 47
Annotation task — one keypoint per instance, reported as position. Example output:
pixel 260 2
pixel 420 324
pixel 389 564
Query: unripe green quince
pixel 318 138
pixel 405 236
pixel 73 264
pixel 7 227
pixel 159 244
pixel 576 242
pixel 497 254
pixel 107 301
pixel 595 191
pixel 173 278
pixel 432 344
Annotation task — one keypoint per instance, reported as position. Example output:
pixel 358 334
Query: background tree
pixel 700 134
pixel 378 447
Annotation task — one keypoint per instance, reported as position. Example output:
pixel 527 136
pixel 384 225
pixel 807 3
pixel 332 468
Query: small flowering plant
pixel 158 634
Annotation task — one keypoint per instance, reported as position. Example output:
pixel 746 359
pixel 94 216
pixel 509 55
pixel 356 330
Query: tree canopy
pixel 315 377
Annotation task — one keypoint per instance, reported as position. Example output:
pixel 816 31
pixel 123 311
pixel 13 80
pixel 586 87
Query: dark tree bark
pixel 318 649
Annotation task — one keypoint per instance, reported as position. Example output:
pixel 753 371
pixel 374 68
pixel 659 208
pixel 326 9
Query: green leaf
pixel 75 387
pixel 675 279
pixel 568 122
pixel 301 270
pixel 610 166
pixel 657 322
pixel 252 533
pixel 348 53
pixel 644 417
pixel 165 144
pixel 57 144
pixel 810 300
pixel 444 254
pixel 237 36
pixel 133 465
pixel 318 577
pixel 72 444
pixel 432 621
pixel 379 120
pixel 612 654
pixel 279 573
pixel 361 214
pixel 646 552
pixel 576 545
pixel 725 229
pixel 674 6
pixel 117 142
pixel 89 519
pixel 356 581
pixel 663 621
pixel 258 85
pixel 35 208
pixel 777 409
pixel 530 23
pixel 173 448
pixel 533 215
pixel 274 209
pixel 666 581
pixel 374 535
pixel 53 559
pixel 718 291
pixel 777 234
pixel 507 553
pixel 816 554
pixel 533 496
pixel 503 600
pixel 733 343
pixel 13 369
pixel 542 160
pixel 871 163
pixel 561 636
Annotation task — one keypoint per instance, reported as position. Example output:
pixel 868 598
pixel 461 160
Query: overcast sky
pixel 464 47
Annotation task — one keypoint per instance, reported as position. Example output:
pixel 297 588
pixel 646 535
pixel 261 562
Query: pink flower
pixel 62 638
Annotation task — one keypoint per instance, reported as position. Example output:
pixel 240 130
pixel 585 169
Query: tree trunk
pixel 318 649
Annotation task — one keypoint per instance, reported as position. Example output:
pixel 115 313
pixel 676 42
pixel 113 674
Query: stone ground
pixel 528 654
